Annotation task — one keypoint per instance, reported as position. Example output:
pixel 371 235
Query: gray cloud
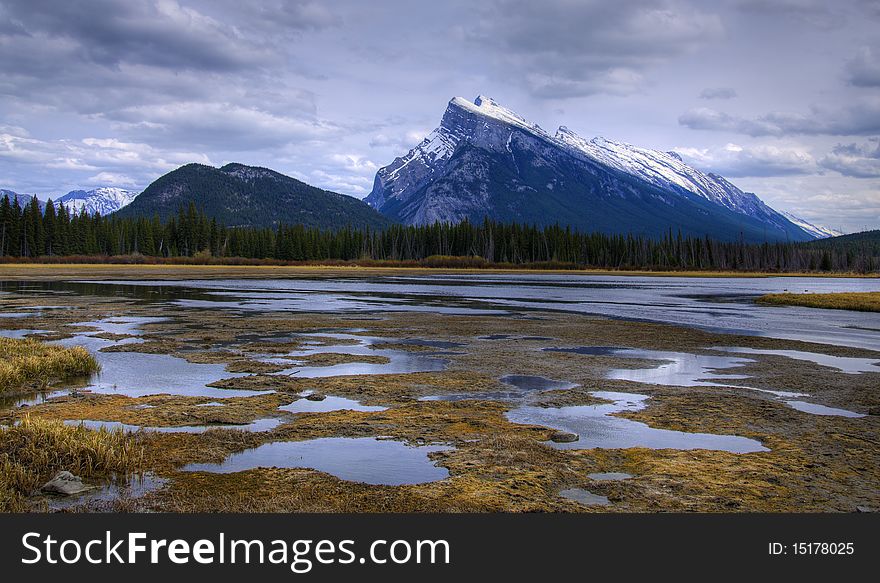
pixel 817 13
pixel 863 70
pixel 546 42
pixel 856 160
pixel 860 118
pixel 718 93
pixel 733 160
pixel 161 33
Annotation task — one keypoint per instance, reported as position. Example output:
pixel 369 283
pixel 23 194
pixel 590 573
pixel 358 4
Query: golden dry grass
pixel 32 451
pixel 860 301
pixel 31 362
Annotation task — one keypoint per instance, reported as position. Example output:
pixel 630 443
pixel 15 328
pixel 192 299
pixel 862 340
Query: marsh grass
pixel 859 301
pixel 32 451
pixel 27 361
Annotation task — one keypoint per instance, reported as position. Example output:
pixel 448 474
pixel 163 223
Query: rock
pixel 564 437
pixel 315 397
pixel 66 483
pixel 864 510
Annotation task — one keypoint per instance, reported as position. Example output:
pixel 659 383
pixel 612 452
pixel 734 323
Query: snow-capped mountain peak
pixel 103 200
pixel 485 159
pixel 817 231
pixel 488 107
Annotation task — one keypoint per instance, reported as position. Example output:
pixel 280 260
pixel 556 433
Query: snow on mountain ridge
pixel 488 107
pixel 659 168
pixel 103 200
pixel 817 231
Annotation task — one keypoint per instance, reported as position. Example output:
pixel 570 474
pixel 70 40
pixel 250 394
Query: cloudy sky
pixel 780 96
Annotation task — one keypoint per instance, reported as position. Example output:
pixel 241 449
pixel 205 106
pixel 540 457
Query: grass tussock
pixel 26 362
pixel 859 301
pixel 35 449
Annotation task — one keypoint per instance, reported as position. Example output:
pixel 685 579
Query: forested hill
pixel 54 234
pixel 866 241
pixel 247 196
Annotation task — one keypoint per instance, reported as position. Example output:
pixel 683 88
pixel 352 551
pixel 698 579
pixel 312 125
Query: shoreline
pixel 23 270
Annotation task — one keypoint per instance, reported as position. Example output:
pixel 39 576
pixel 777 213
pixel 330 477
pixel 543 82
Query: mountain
pixel 239 195
pixel 103 200
pixel 817 231
pixel 23 199
pixel 486 160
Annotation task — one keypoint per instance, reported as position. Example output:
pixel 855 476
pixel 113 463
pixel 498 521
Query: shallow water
pixel 682 369
pixel 135 487
pixel 596 427
pixel 399 361
pixel 846 364
pixel 328 404
pixel 135 374
pixel 529 383
pixel 120 325
pixel 609 476
pixel 585 497
pixel 523 387
pixel 712 303
pixel 266 424
pixel 815 409
pixel 362 459
pixel 20 333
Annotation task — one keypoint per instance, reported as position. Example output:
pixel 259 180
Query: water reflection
pixel 363 459
pixel 597 427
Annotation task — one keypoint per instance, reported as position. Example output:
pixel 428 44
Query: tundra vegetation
pixel 859 301
pixel 33 450
pixel 813 463
pixel 28 363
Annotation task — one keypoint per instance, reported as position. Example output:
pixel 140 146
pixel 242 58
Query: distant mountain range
pixel 238 195
pixel 486 160
pixel 103 200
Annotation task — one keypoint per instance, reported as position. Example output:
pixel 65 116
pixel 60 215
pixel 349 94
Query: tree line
pixel 53 231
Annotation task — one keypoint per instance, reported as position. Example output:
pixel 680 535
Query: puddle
pixel 596 427
pixel 29 399
pixel 680 369
pixel 137 375
pixel 119 489
pixel 20 333
pixel 120 325
pixel 524 386
pixel 329 403
pixel 363 459
pixel 822 409
pixel 845 364
pixel 399 361
pixel 609 476
pixel 584 497
pixel 528 383
pixel 16 314
pixel 266 424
